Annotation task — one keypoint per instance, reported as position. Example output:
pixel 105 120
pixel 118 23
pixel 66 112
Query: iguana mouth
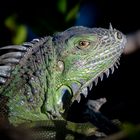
pixel 85 88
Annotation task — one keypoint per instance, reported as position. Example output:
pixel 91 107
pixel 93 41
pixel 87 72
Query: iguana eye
pixel 83 44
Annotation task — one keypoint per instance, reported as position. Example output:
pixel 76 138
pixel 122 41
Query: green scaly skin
pixel 49 74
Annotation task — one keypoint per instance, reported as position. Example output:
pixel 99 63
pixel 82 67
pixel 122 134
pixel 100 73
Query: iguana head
pixel 83 55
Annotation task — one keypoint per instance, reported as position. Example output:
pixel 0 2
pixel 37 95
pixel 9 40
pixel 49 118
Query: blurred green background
pixel 22 20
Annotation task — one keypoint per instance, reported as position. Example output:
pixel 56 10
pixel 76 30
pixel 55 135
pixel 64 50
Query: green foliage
pixel 132 131
pixel 62 6
pixel 20 34
pixel 41 23
pixel 72 13
pixel 10 22
pixel 19 30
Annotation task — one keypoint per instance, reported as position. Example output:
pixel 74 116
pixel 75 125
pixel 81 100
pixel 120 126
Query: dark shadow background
pixel 42 18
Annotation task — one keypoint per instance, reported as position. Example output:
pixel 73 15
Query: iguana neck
pixel 52 96
pixel 35 90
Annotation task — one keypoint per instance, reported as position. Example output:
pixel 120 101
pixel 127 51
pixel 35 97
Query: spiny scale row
pixel 11 56
pixel 95 81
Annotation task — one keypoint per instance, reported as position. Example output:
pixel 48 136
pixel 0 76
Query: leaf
pixel 20 35
pixel 10 22
pixel 19 30
pixel 72 13
pixel 62 6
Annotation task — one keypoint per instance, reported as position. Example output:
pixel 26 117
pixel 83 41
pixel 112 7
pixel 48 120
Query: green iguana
pixel 39 80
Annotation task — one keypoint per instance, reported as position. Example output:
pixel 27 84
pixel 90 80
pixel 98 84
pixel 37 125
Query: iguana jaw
pixel 107 70
pixel 87 86
pixel 76 87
